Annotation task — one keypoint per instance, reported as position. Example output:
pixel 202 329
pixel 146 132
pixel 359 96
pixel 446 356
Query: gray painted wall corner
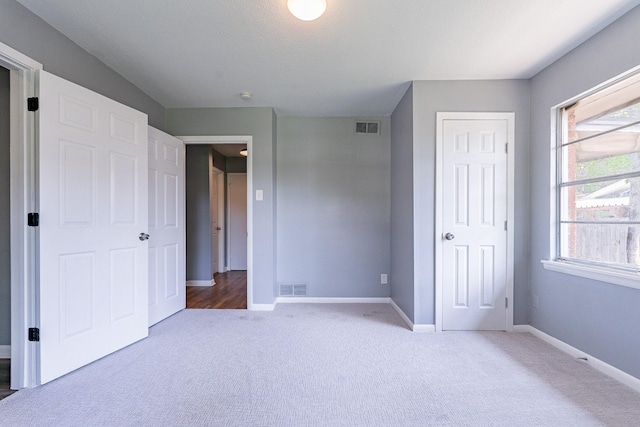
pixel 402 279
pixel 430 97
pixel 30 35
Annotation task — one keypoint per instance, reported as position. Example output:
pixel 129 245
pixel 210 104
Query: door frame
pixel 248 141
pixel 440 118
pixel 23 196
pixel 219 183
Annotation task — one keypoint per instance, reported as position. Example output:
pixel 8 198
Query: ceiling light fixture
pixel 244 152
pixel 307 10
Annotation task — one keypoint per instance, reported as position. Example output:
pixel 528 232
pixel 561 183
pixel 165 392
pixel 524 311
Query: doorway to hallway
pixel 229 292
pixel 221 273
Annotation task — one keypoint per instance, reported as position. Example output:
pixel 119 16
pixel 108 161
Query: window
pixel 598 179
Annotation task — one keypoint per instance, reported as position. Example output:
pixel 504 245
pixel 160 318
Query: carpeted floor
pixel 325 365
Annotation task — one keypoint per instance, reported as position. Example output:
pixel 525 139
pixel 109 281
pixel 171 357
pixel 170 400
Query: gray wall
pixel 219 161
pixel 430 97
pixel 198 222
pixel 598 318
pixel 236 165
pixel 27 33
pixel 5 260
pixel 402 241
pixel 259 123
pixel 333 207
pixel 274 205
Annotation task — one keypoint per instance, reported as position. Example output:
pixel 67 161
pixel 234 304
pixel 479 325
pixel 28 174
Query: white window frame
pixel 600 273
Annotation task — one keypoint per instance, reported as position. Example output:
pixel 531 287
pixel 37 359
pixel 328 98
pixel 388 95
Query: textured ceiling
pixel 355 60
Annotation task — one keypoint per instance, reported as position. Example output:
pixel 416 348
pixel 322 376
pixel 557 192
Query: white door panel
pixel 237 190
pixel 93 206
pixel 474 214
pixel 167 279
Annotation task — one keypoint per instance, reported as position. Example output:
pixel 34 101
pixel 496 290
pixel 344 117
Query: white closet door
pixel 93 207
pixel 474 215
pixel 167 280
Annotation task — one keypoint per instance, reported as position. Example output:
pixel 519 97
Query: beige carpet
pixel 325 365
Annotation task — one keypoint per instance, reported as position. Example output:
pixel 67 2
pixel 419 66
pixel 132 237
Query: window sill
pixel 629 280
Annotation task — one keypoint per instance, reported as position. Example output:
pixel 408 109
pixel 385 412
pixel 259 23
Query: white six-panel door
pixel 474 224
pixel 167 283
pixel 93 207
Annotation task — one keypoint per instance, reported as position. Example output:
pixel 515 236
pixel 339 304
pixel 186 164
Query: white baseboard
pixel 5 352
pixel 329 300
pixel 200 282
pixel 262 307
pixel 317 300
pixel 401 313
pixel 410 324
pixel 424 328
pixel 599 365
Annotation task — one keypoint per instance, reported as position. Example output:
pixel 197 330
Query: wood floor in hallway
pixel 5 368
pixel 230 291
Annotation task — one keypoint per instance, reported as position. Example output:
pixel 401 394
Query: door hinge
pixel 33 219
pixel 34 334
pixel 505 226
pixel 33 104
pixel 506 148
pixel 506 303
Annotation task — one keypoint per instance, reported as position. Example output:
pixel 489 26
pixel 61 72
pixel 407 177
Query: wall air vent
pixel 368 127
pixel 293 290
pixel 286 290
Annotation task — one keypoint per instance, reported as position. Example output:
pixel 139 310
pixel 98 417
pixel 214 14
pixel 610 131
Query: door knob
pixel 143 236
pixel 449 236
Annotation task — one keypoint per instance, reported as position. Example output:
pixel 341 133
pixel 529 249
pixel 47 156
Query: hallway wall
pixel 5 214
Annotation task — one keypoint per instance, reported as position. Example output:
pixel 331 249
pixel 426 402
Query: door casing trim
pixel 23 169
pixel 248 141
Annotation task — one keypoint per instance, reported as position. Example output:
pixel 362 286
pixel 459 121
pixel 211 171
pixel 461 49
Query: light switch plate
pixel 259 195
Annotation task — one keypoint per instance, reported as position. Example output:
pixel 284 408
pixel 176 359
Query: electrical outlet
pixel 535 301
pixel 383 279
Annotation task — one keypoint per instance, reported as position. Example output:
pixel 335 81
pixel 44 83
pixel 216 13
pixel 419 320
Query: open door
pixel 93 222
pixel 167 277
